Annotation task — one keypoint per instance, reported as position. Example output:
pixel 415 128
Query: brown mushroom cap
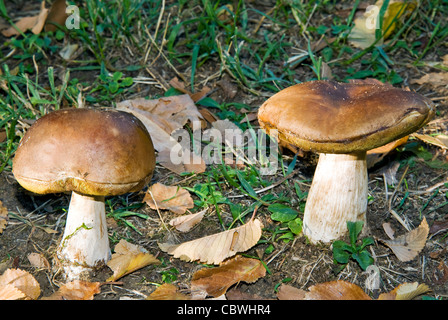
pixel 93 152
pixel 332 117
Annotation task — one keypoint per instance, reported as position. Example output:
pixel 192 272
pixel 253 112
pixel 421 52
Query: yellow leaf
pixel 129 258
pixel 363 34
pixel 3 217
pixel 167 291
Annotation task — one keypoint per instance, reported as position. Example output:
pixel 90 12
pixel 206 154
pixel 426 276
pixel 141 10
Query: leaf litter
pixel 234 236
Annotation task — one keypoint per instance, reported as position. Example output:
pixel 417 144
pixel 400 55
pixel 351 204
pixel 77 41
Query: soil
pixel 36 223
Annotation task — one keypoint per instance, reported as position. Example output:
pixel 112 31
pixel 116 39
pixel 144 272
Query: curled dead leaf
pixel 173 198
pixel 216 281
pixel 128 258
pixel 216 248
pixel 185 223
pixel 407 246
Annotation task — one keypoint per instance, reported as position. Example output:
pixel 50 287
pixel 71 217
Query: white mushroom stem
pixel 338 194
pixel 85 244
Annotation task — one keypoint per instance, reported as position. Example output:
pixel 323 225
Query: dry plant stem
pixel 338 194
pixel 85 244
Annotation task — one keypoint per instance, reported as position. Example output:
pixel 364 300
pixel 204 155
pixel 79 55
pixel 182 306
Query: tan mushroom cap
pixel 92 152
pixel 332 117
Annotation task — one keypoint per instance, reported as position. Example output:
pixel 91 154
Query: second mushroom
pixel 341 121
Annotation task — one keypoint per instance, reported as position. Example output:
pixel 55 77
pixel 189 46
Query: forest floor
pixel 243 52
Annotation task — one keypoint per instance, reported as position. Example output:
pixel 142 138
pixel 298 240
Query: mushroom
pixel 92 154
pixel 341 121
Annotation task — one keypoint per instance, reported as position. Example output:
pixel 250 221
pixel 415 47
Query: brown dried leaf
pixel 336 290
pixel 216 248
pixel 76 290
pixel 162 117
pixel 173 198
pixel 406 247
pixel 167 291
pixel 23 281
pixel 405 291
pixel 169 113
pixel 35 24
pixel 37 260
pixel 56 16
pixel 435 79
pixel 3 217
pixel 185 223
pixel 439 226
pixel 128 258
pixel 216 281
pixel 287 292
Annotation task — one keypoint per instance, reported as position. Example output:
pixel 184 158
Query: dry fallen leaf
pixel 186 222
pixel 216 248
pixel 56 16
pixel 37 260
pixel 363 33
pixel 336 290
pixel 216 281
pixel 76 290
pixel 405 291
pixel 3 217
pixel 406 247
pixel 440 140
pixel 21 280
pixel 288 292
pixel 376 155
pixel 435 79
pixel 9 292
pixel 343 290
pixel 162 117
pixel 35 24
pixel 169 113
pixel 167 291
pixel 127 258
pixel 173 198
